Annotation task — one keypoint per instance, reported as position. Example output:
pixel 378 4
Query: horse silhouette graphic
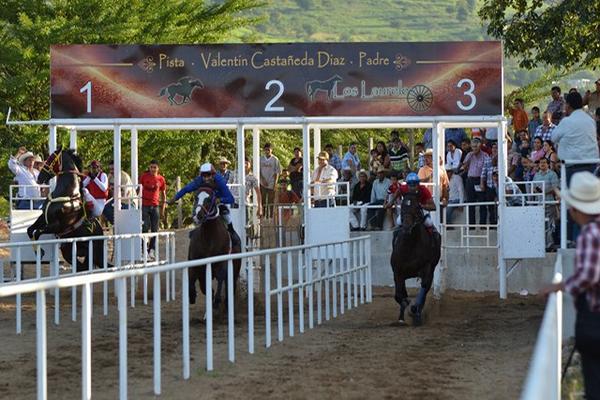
pixel 328 86
pixel 182 88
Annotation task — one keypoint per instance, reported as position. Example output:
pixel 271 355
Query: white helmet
pixel 207 167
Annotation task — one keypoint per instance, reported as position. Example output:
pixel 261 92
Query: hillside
pixel 374 20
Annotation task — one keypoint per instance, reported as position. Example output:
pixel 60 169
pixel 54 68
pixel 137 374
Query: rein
pixel 208 214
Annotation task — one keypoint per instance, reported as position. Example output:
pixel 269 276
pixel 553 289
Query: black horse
pixel 415 254
pixel 210 239
pixel 63 212
pixel 183 87
pixel 327 86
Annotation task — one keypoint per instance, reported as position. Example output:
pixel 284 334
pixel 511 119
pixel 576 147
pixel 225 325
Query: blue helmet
pixel 412 179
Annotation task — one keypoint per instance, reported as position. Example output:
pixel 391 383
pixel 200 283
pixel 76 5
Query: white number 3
pixel 468 92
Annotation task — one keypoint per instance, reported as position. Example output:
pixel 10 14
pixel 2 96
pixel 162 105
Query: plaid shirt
pixel 545 135
pixel 586 278
pixel 335 161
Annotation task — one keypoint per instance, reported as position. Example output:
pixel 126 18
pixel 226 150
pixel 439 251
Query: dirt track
pixel 471 347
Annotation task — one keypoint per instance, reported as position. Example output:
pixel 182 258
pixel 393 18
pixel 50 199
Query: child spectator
pixel 534 122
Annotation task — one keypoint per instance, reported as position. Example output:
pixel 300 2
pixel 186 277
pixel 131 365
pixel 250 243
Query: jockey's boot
pixel 235 238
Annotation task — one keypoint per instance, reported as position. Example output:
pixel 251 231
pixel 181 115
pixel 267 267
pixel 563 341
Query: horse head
pixel 411 212
pixel 206 207
pixel 196 83
pixel 336 78
pixel 52 166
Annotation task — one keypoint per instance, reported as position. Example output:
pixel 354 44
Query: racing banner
pixel 276 80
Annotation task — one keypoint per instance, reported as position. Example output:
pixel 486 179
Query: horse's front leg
pixel 417 308
pixel 400 295
pixel 35 230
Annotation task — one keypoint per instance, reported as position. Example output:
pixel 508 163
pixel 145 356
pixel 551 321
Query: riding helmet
pixel 412 179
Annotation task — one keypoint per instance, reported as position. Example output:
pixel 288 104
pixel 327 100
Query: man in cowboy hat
pixel 323 179
pixel 583 199
pixel 378 197
pixel 227 174
pixel 361 196
pixel 21 164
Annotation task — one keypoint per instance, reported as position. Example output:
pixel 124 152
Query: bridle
pixel 53 165
pixel 414 210
pixel 211 211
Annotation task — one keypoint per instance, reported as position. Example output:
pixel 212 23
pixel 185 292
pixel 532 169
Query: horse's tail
pixel 163 91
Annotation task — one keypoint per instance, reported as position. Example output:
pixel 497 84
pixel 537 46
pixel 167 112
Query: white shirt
pixel 269 167
pixel 328 175
pixel 453 159
pixel 24 177
pixel 457 189
pixel 575 137
pixel 101 180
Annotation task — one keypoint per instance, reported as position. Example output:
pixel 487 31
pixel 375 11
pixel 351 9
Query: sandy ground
pixel 472 346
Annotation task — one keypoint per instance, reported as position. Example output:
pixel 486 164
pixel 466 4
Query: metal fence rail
pixel 344 267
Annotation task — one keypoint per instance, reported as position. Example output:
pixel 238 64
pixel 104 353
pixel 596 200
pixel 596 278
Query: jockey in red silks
pixel 209 178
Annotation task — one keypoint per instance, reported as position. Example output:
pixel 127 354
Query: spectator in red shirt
pixel 153 188
pixel 520 119
pixel 583 199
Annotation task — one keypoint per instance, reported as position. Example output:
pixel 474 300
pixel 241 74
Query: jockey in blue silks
pixel 209 178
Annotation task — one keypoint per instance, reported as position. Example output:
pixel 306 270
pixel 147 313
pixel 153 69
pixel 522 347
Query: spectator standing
pixel 583 198
pixel 252 186
pixel 398 156
pixel 465 147
pixel 592 99
pixel 361 197
pixel 420 150
pixel 378 196
pixel 270 168
pixel 456 191
pixel 295 170
pixel 487 183
pixel 351 159
pixel 473 165
pixel 428 139
pixel 95 189
pixel 550 186
pixel 324 178
pixel 285 197
pixel 334 158
pixel 457 135
pixel 520 119
pixel 545 129
pixel 426 171
pixel 453 156
pixel 534 122
pixel 127 192
pixel 154 195
pixel 557 104
pixel 227 174
pixel 21 164
pixel 382 155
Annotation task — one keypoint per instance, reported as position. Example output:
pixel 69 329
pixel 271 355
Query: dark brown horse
pixel 209 239
pixel 415 254
pixel 63 212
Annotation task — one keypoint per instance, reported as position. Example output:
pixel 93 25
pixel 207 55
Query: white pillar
pixel 316 144
pixel 134 156
pixel 52 139
pixel 306 178
pixel 241 155
pixel 502 169
pixel 256 152
pixel 437 131
pixel 73 138
pixel 117 160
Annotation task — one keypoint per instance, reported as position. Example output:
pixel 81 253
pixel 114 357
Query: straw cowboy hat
pixel 224 160
pixel 381 168
pixel 584 193
pixel 37 159
pixel 428 152
pixel 361 172
pixel 25 156
pixel 323 155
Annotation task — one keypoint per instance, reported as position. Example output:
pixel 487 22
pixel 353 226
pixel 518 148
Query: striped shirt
pixel 476 163
pixel 545 132
pixel 586 278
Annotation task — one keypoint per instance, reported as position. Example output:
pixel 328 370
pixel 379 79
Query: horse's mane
pixel 75 157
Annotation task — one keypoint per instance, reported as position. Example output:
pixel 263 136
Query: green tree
pixel 29 27
pixel 560 34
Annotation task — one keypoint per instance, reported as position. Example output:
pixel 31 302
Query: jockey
pixel 209 178
pixel 95 189
pixel 413 185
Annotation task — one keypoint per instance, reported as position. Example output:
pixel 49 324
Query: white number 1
pixel 88 88
pixel 468 92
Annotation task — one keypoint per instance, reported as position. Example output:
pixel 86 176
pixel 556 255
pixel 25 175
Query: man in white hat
pixel 583 199
pixel 21 164
pixel 224 170
pixel 323 179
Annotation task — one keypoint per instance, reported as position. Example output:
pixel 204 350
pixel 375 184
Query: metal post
pixel 438 132
pixel 157 334
pixel 316 143
pixel 122 304
pixel 73 138
pixel 502 169
pixel 209 319
pixel 250 289
pixel 52 139
pixel 185 322
pixel 268 301
pixel 40 312
pixel 241 156
pixel 306 180
pixel 300 293
pixel 563 207
pixel 230 312
pixel 290 293
pixel 279 284
pixel 86 342
pixel 117 175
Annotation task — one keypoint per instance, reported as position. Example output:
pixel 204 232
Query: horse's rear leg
pixel 400 295
pixel 193 275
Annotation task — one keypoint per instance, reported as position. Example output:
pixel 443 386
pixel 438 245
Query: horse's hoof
pixel 402 322
pixel 417 320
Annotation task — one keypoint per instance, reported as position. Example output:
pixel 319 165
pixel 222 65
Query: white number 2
pixel 269 106
pixel 88 88
pixel 468 92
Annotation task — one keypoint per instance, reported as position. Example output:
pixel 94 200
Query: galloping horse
pixel 328 86
pixel 415 254
pixel 63 211
pixel 209 239
pixel 183 87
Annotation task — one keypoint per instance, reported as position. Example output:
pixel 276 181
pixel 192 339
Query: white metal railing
pixel 342 195
pixel 343 266
pixel 13 197
pixel 543 378
pixel 164 240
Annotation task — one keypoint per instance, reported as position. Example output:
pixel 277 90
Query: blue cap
pixel 412 179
